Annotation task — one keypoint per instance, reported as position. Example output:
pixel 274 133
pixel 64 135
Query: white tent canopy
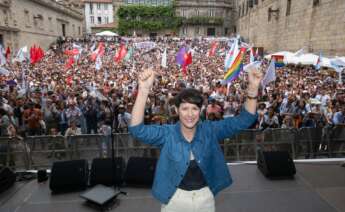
pixel 107 33
pixel 304 59
pixel 282 53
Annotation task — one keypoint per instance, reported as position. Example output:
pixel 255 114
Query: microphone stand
pixel 113 164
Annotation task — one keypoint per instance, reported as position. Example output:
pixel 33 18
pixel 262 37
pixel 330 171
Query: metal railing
pixel 36 152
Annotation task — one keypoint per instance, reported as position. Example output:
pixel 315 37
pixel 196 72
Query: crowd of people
pixel 48 97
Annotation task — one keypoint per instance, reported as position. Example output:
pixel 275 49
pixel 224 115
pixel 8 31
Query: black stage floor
pixel 317 187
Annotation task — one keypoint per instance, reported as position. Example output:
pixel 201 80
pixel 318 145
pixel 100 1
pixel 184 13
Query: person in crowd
pixel 270 120
pixel 123 119
pixel 339 116
pixel 32 117
pixel 4 122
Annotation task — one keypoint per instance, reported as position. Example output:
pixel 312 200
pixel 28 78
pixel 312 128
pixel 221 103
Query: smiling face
pixel 189 115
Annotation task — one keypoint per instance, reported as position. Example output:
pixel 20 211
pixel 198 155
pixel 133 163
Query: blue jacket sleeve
pixel 230 126
pixel 149 134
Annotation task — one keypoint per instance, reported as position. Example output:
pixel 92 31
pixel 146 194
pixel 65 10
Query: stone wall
pixel 37 22
pixel 319 27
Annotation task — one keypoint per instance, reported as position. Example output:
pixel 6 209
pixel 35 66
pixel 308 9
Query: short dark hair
pixel 189 95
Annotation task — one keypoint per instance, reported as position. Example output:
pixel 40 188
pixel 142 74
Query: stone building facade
pixel 223 9
pixel 40 22
pixel 98 12
pixel 315 25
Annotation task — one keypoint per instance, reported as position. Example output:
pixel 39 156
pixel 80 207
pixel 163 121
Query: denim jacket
pixel 175 152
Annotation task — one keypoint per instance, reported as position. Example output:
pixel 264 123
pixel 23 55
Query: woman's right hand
pixel 146 79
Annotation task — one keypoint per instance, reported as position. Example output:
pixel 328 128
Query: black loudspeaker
pixel 69 176
pixel 276 164
pixel 42 175
pixel 103 171
pixel 7 178
pixel 140 171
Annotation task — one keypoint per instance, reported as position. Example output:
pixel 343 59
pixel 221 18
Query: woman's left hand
pixel 254 78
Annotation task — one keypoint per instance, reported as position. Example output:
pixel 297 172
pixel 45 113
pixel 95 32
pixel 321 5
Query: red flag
pixel 69 63
pixel 71 52
pixel 40 54
pixel 213 49
pixel 98 52
pixel 35 54
pixel 32 54
pixel 120 54
pixel 69 80
pixel 8 53
pixel 188 58
pixel 187 61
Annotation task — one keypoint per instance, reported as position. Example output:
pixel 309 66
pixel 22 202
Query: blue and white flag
pixel 22 54
pixel 270 75
pixel 2 56
pixel 318 63
pixel 98 64
pixel 164 59
pixel 4 71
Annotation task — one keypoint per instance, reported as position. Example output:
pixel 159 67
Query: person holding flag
pixel 191 169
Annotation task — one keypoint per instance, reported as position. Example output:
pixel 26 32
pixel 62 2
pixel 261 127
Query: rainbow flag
pixel 279 60
pixel 237 66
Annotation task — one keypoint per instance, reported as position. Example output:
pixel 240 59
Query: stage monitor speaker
pixel 69 176
pixel 102 171
pixel 140 171
pixel 276 164
pixel 42 175
pixel 7 178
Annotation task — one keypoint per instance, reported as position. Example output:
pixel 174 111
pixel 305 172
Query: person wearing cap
pixel 123 119
pixel 191 168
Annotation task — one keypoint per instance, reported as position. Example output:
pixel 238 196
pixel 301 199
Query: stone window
pixel 98 6
pixel 50 21
pixel 5 17
pixel 212 13
pixel 288 7
pixel 184 13
pixel 269 14
pixel 27 18
pixel 91 8
pixel 99 20
pixel 250 3
pixel 184 30
pixel 92 19
pixel 197 30
pixel 197 12
pixel 316 3
pixel 243 9
pixel 38 21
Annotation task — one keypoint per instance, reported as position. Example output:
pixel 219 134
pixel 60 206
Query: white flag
pixel 2 56
pixel 93 47
pixel 251 58
pixel 22 54
pixel 4 71
pixel 231 56
pixel 270 75
pixel 164 59
pixel 98 64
